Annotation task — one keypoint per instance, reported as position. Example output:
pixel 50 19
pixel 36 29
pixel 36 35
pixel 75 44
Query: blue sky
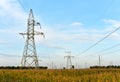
pixel 69 25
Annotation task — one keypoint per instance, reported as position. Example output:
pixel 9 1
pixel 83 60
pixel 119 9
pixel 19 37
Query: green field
pixel 72 75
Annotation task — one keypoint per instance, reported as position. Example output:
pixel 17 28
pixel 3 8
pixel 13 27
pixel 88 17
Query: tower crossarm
pixel 35 33
pixel 39 33
pixel 23 34
pixel 68 56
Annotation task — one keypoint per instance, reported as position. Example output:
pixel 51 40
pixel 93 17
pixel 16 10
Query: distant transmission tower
pixel 69 62
pixel 29 58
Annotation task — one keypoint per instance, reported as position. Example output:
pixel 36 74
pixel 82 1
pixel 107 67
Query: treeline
pixel 110 66
pixel 18 67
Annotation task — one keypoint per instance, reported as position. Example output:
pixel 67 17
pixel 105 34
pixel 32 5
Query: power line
pixel 104 50
pixel 111 52
pixel 105 11
pixel 22 5
pixel 116 45
pixel 100 40
pixel 8 55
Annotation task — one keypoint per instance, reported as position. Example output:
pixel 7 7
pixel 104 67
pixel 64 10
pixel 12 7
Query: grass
pixel 83 75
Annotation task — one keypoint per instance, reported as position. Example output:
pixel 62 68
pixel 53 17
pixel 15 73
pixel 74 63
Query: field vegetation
pixel 72 75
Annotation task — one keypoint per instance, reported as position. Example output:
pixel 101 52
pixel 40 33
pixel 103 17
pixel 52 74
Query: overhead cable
pixel 22 6
pixel 99 41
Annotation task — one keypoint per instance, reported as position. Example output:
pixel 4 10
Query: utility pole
pixel 69 62
pixel 86 65
pixel 99 61
pixel 29 58
pixel 52 65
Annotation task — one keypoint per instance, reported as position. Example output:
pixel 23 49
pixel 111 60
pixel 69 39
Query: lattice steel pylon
pixel 29 58
pixel 69 62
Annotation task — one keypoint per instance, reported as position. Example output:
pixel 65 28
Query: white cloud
pixel 11 8
pixel 114 23
pixel 111 26
pixel 76 24
pixel 115 36
pixel 13 19
pixel 55 46
pixel 3 42
pixel 12 15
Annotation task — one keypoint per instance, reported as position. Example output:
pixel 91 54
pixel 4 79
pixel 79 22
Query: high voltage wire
pixel 99 41
pixel 22 6
pixel 107 8
pixel 8 55
pixel 102 15
pixel 107 49
pixel 111 52
pixel 104 50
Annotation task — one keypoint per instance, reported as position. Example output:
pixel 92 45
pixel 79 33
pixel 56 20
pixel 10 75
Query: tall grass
pixel 84 75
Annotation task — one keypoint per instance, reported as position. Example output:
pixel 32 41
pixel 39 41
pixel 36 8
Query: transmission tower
pixel 29 58
pixel 69 62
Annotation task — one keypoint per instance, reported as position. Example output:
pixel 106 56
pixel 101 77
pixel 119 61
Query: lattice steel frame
pixel 29 58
